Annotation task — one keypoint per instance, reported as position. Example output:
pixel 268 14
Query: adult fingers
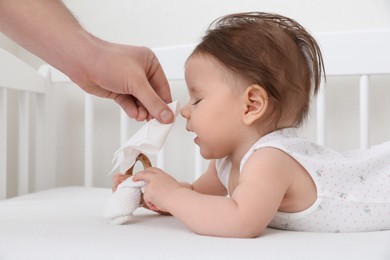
pixel 142 112
pixel 154 92
pixel 128 105
pixel 153 103
pixel 126 101
pixel 133 108
pixel 159 81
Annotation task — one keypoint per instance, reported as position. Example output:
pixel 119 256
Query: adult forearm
pixel 130 75
pixel 48 29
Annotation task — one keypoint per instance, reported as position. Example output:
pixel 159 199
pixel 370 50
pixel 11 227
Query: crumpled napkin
pixel 148 140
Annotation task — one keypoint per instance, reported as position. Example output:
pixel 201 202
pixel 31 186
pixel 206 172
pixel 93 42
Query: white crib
pixel 40 219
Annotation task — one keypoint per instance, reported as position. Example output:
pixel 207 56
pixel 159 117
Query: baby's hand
pixel 159 186
pixel 118 179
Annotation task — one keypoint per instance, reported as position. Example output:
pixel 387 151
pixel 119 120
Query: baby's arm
pixel 262 185
pixel 209 183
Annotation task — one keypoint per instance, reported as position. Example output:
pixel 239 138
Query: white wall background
pixel 161 23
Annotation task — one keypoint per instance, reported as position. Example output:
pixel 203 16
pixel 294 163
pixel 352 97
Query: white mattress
pixel 67 223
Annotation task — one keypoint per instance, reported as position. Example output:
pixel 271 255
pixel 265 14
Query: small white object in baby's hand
pixel 148 140
pixel 124 201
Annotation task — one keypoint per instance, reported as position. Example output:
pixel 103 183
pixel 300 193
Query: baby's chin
pixel 207 155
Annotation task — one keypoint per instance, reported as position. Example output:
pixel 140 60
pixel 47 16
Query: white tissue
pixel 148 140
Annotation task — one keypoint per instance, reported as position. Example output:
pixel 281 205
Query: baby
pixel 250 82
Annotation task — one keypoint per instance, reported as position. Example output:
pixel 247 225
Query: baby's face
pixel 214 110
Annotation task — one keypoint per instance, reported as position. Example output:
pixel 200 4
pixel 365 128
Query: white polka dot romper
pixel 353 188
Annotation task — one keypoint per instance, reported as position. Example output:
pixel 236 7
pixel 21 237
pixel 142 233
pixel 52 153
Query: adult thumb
pixel 154 104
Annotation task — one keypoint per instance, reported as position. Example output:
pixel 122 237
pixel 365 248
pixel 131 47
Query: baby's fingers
pixel 142 176
pixel 117 179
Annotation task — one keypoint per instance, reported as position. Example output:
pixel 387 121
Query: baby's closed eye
pixel 196 101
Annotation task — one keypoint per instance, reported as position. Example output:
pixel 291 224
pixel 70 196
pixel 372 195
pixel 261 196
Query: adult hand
pixel 130 75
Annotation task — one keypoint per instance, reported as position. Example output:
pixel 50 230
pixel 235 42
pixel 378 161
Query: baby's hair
pixel 272 51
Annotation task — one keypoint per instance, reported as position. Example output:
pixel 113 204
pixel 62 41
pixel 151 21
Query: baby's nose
pixel 185 112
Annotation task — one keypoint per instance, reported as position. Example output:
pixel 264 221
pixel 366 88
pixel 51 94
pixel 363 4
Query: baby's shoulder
pixel 269 161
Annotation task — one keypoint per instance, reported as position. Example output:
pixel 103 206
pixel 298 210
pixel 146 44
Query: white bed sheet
pixel 67 223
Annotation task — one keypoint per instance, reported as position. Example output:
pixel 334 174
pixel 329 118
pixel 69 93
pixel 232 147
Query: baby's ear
pixel 255 102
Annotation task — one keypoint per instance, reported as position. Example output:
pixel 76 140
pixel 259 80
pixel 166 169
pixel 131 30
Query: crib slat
pixel 42 157
pixel 321 114
pixel 3 143
pixel 88 141
pixel 45 126
pixel 24 143
pixel 124 127
pixel 364 111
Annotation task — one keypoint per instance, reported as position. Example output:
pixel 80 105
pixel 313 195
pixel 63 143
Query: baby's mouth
pixel 196 140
